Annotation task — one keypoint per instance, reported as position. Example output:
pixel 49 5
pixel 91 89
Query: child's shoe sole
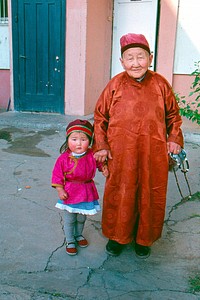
pixel 81 241
pixel 71 250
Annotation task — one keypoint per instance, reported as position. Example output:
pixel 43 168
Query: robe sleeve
pixel 101 115
pixel 173 118
pixel 101 119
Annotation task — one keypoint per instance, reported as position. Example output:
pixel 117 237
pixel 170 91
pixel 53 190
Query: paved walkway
pixel 33 262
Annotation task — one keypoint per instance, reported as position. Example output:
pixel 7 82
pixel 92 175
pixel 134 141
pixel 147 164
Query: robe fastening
pixel 134 120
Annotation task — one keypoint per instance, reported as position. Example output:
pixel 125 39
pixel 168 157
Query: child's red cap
pixel 80 125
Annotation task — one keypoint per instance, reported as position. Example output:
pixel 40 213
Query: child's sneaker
pixel 82 242
pixel 71 248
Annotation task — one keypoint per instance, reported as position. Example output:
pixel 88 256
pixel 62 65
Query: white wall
pixel 188 37
pixel 4 47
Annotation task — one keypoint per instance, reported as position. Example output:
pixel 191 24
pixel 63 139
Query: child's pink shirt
pixel 76 176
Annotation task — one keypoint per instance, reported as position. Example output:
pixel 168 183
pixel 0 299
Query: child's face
pixel 136 62
pixel 78 142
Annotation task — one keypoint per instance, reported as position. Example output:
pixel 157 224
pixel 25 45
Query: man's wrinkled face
pixel 136 62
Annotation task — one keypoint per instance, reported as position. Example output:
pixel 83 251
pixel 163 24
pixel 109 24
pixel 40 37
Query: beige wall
pixel 167 38
pixel 75 61
pixel 88 52
pixel 182 85
pixel 98 56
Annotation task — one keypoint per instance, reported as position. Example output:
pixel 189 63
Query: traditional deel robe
pixel 135 120
pixel 76 176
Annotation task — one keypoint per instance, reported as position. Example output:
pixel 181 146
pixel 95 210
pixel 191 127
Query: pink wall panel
pixel 4 88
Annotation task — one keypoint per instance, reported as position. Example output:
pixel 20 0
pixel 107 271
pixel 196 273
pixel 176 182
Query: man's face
pixel 136 62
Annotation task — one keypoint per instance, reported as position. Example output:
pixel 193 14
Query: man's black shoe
pixel 142 251
pixel 113 248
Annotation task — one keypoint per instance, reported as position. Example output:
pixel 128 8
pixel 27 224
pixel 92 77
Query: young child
pixel 72 177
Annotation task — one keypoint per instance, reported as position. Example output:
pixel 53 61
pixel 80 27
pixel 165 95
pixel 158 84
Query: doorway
pixel 38 30
pixel 133 16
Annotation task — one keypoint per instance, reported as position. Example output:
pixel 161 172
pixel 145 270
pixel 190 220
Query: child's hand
pixel 61 193
pixel 105 171
pixel 63 196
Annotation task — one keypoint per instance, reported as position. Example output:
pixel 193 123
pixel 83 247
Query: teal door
pixel 38 55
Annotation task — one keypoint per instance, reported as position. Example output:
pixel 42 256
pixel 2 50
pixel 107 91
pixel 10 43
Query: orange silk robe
pixel 135 120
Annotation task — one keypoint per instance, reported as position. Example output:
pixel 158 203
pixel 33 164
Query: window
pixel 3 11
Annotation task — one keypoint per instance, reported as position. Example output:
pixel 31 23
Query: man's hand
pixel 102 155
pixel 173 148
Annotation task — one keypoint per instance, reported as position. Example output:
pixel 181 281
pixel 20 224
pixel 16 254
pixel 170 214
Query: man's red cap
pixel 132 40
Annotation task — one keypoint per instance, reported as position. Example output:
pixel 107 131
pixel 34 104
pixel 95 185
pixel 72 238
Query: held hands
pixel 105 171
pixel 102 155
pixel 173 148
pixel 61 193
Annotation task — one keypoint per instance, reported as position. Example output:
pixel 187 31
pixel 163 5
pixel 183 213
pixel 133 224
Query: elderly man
pixel 136 125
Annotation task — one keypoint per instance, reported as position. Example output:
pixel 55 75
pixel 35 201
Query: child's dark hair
pixel 64 146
